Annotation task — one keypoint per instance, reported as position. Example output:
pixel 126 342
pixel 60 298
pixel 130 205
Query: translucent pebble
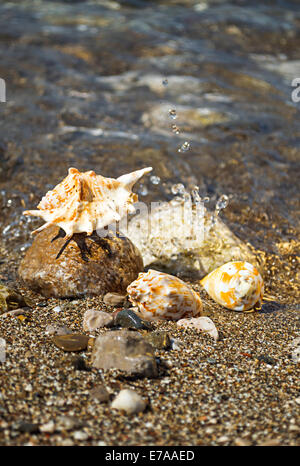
pixel 185 147
pixel 222 202
pixel 155 179
pixel 178 189
pixel 172 113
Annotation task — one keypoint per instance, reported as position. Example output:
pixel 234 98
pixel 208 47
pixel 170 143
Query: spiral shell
pixel 160 296
pixel 84 202
pixel 236 285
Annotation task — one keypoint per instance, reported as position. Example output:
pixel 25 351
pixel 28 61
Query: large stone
pixel 85 265
pixel 125 350
pixel 171 238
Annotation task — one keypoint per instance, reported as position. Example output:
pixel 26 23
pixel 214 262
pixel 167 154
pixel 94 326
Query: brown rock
pixel 72 342
pixel 84 265
pixel 125 350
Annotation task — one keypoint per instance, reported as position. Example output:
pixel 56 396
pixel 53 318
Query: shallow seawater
pixel 200 90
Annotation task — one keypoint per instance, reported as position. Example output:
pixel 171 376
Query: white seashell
pixel 129 401
pixel 204 324
pixel 84 202
pixel 236 285
pixel 160 296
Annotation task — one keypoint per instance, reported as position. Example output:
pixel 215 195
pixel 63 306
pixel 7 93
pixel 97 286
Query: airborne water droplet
pixel 185 147
pixel 172 113
pixel 222 202
pixel 143 190
pixel 175 129
pixel 155 179
pixel 178 189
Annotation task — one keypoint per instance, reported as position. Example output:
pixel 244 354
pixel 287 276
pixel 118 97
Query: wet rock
pixel 129 401
pixel 100 393
pixel 84 265
pixel 114 299
pixel 125 350
pixel 73 342
pixel 10 299
pixel 180 246
pixel 159 340
pixel 92 320
pixel 202 324
pixel 129 319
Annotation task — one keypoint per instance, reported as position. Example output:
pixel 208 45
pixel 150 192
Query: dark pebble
pixel 266 359
pixel 129 319
pixel 79 364
pixel 28 427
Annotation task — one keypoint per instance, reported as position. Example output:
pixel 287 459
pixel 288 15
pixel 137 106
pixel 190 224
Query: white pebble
pixel 49 427
pixel 204 324
pixel 129 401
pixel 57 309
pixel 80 435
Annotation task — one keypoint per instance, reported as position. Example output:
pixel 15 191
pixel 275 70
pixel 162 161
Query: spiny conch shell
pixel 160 296
pixel 84 202
pixel 236 285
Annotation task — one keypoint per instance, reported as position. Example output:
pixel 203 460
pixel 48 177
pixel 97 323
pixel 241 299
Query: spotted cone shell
pixel 236 285
pixel 84 202
pixel 160 296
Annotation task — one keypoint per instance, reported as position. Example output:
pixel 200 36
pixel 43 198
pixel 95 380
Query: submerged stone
pixel 84 265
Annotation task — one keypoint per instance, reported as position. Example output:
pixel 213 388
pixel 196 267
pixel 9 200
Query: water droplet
pixel 155 179
pixel 195 195
pixel 143 191
pixel 222 202
pixel 165 82
pixel 175 129
pixel 172 113
pixel 185 147
pixel 178 189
